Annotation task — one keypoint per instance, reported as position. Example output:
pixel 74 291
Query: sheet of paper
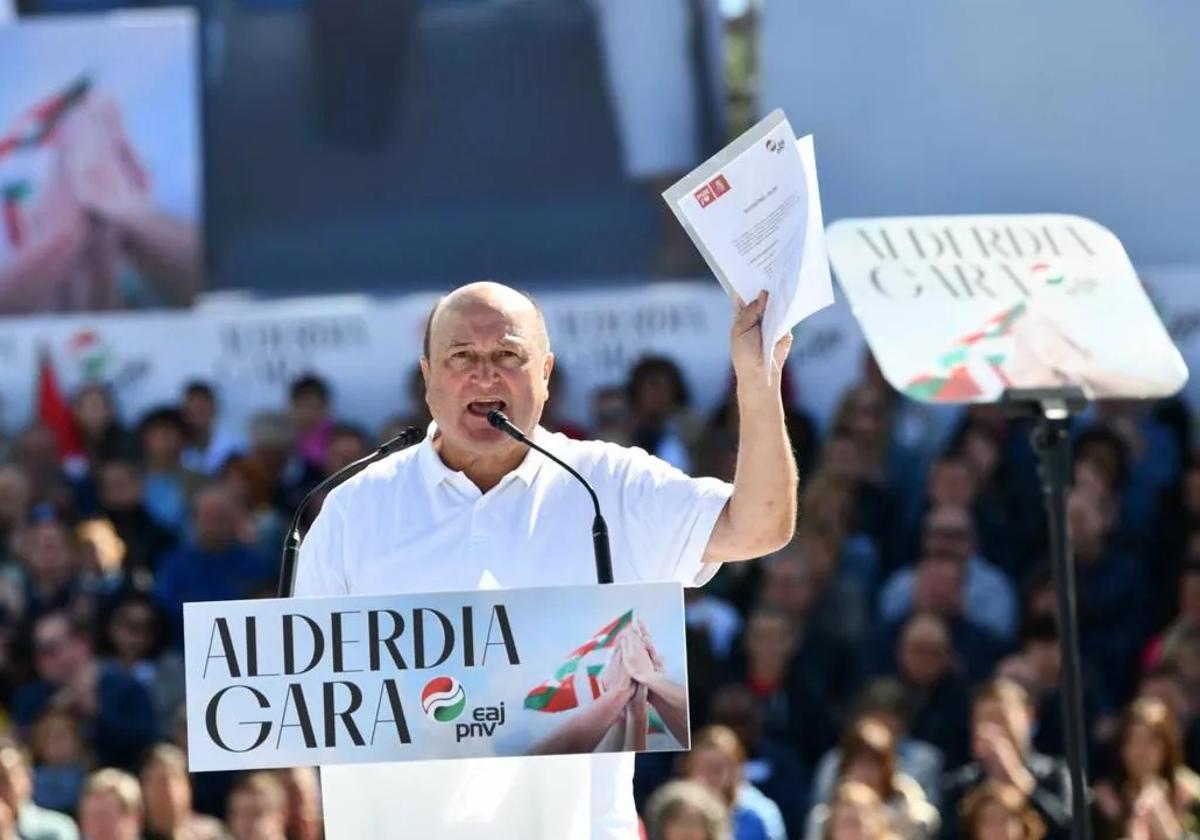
pixel 754 212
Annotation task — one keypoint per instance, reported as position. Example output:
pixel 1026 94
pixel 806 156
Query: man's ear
pixel 425 370
pixel 547 367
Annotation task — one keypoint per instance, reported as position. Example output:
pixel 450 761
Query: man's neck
pixel 484 471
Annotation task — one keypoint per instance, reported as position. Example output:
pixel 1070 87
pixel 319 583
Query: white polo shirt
pixel 410 524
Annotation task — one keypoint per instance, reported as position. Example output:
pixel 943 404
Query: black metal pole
pixel 1053 448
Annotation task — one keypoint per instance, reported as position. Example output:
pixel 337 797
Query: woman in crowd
pixel 995 811
pixel 716 760
pixel 868 757
pixel 856 813
pixel 1148 776
pixel 683 810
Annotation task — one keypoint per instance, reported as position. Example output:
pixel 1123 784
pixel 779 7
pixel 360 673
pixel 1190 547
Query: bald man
pixel 472 508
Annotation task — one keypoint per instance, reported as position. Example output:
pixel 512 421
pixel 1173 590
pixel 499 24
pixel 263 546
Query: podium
pixel 434 705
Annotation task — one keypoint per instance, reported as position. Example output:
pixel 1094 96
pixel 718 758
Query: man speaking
pixel 472 508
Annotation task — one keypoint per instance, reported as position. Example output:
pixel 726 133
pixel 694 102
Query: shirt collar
pixel 435 471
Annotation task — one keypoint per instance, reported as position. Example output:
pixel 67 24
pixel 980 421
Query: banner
pixel 297 682
pixel 99 162
pixel 1003 302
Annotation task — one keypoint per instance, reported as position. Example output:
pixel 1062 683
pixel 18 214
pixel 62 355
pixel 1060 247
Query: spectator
pixel 258 808
pixel 213 566
pixel 167 485
pixel 1111 592
pixel 137 639
pixel 989 599
pixel 36 454
pixel 104 438
pixel 1187 593
pixel 716 760
pixel 938 693
pixel 117 713
pixel 304 803
pixel 208 446
pixel 167 789
pixel 60 761
pixel 996 811
pixel 885 700
pixel 111 807
pixel 828 506
pixel 611 418
pixel 122 502
pixel 856 813
pixel 771 766
pixel 868 756
pixel 687 811
pixel 939 587
pixel 50 579
pixel 272 439
pixel 14 506
pixel 796 709
pixel 261 526
pixel 714 617
pixel 16 792
pixel 1149 754
pixel 309 409
pixel 662 423
pixel 1002 751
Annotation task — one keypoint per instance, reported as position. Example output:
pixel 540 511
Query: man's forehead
pixel 466 319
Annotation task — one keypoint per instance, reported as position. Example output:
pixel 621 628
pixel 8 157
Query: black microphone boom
pixel 291 543
pixel 604 573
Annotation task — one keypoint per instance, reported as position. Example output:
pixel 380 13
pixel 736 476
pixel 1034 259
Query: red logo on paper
pixel 711 191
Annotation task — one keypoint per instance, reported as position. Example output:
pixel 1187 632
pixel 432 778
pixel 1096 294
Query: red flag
pixel 55 412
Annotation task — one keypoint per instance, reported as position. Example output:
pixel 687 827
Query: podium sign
pixel 304 681
pixel 964 308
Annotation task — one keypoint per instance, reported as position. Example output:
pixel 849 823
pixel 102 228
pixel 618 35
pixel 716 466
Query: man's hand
pixel 1001 759
pixel 746 347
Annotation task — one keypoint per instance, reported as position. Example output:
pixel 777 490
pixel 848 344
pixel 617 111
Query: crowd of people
pixel 892 674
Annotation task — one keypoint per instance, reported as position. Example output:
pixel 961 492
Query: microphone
pixel 604 572
pixel 291 543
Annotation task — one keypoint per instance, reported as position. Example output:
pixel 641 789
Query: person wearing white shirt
pixel 471 508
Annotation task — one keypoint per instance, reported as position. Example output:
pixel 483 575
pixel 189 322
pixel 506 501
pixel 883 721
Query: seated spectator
pixel 796 708
pixel 168 486
pixel 1162 683
pixel 60 761
pixel 856 813
pixel 771 766
pixel 167 789
pixel 309 410
pixel 1187 612
pixel 1111 592
pixel 118 715
pixel 258 808
pixel 996 811
pixel 885 700
pixel 1149 754
pixel 261 525
pixel 14 506
pixel 715 618
pixel 16 792
pixel 611 419
pixel 924 663
pixel 1002 751
pixel 137 639
pixel 661 420
pixel 687 811
pixel 213 566
pixel 111 807
pixel 939 587
pixel 989 598
pixel 716 760
pixel 104 438
pixel 868 756
pixel 122 503
pixel 49 579
pixel 208 445
pixel 303 789
pixel 828 506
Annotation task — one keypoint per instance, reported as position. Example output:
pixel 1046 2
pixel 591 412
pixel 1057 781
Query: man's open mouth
pixel 482 407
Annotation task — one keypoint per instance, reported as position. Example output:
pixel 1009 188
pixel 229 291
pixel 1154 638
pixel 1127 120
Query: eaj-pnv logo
pixel 443 699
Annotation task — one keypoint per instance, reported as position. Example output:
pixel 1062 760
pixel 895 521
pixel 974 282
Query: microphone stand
pixel 600 547
pixel 291 543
